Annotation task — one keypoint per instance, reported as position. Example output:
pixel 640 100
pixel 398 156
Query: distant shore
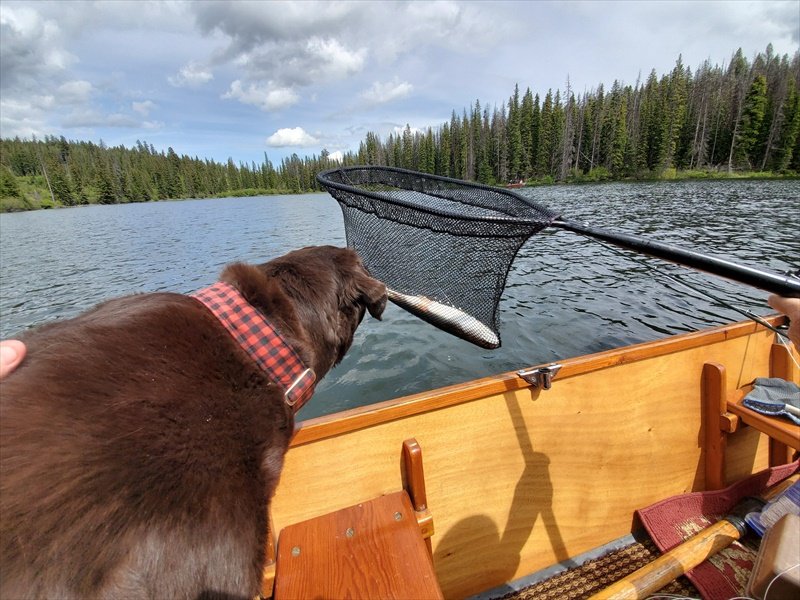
pixel 38 198
pixel 34 195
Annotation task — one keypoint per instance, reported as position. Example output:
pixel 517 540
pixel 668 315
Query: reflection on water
pixel 566 295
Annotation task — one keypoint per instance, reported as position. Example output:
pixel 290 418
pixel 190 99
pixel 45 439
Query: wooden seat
pixel 375 549
pixel 724 414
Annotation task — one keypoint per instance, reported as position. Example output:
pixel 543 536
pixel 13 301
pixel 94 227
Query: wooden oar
pixel 685 557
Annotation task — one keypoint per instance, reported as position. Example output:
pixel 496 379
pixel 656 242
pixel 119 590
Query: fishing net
pixel 444 246
pixel 436 238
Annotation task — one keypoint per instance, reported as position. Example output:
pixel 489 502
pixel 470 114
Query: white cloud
pixel 90 117
pixel 336 156
pixel 31 47
pixel 153 125
pixel 337 60
pixel 251 24
pixel 295 136
pixel 191 75
pixel 143 108
pixel 265 96
pixel 380 93
pixel 42 102
pixel 301 62
pixel 74 92
pixel 21 119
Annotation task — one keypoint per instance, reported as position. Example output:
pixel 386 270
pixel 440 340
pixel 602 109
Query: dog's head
pixel 325 288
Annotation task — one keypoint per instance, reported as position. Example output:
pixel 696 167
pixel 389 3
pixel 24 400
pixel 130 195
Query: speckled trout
pixel 447 318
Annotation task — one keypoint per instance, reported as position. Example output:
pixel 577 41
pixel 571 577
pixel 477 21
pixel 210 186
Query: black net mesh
pixel 436 238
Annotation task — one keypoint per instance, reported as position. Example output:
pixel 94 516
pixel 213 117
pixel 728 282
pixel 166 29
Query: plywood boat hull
pixel 519 478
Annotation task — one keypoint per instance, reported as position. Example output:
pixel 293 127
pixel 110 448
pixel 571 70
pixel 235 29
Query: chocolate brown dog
pixel 141 443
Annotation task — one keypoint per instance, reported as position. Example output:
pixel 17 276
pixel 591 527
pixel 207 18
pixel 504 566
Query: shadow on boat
pixel 532 501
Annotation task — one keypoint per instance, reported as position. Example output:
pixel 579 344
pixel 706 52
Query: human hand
pixel 791 308
pixel 11 354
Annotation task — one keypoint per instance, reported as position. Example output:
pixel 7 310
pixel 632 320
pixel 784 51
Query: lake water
pixel 565 296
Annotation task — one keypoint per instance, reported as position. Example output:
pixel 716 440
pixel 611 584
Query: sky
pixel 242 78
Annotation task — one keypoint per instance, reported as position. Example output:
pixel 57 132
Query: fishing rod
pixel 783 285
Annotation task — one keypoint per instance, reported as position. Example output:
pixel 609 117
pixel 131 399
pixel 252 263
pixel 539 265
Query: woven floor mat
pixel 597 574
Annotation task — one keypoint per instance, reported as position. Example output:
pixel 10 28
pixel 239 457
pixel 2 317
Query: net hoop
pixel 328 180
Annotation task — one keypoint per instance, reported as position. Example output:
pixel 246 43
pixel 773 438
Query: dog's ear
pixel 373 294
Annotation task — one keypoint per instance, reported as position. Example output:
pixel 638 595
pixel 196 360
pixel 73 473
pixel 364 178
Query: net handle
pixel 784 285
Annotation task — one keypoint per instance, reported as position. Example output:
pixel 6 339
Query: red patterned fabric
pixel 674 520
pixel 265 345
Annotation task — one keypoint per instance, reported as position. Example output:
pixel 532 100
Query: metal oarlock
pixel 541 377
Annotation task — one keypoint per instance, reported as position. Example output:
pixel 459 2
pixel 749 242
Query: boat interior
pixel 463 490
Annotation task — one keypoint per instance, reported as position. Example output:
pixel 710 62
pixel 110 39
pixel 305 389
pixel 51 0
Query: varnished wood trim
pixel 781 365
pixel 714 404
pixel 390 410
pixel 784 431
pixel 414 474
pixel 414 484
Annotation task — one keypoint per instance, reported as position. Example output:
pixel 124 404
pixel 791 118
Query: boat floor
pixel 588 573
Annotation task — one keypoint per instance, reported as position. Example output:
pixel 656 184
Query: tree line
pixel 70 173
pixel 743 116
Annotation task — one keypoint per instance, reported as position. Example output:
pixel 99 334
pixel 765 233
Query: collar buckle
pixel 304 384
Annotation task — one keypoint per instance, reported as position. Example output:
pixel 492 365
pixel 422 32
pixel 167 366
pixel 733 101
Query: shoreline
pixel 15 204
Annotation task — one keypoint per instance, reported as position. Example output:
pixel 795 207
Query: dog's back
pixel 138 413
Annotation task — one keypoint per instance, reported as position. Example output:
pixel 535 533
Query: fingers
pixel 11 354
pixel 791 308
pixel 788 306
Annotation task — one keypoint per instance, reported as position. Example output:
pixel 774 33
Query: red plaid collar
pixel 265 345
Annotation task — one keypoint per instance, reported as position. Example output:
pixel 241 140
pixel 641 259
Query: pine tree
pixel 514 134
pixel 544 149
pixel 755 104
pixel 790 131
pixel 464 149
pixel 9 188
pixel 105 188
pixel 526 127
pixel 408 148
pixel 597 113
pixel 619 143
pixel 674 113
pixel 651 133
pixel 554 143
pixel 59 184
pixel 475 141
pixel 567 145
pixel 485 170
pixel 536 126
pixel 444 152
pixel 499 145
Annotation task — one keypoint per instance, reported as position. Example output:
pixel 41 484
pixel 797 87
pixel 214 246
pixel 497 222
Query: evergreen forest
pixel 742 118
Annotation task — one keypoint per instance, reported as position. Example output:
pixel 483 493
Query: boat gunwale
pixel 354 419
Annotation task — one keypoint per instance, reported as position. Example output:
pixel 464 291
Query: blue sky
pixel 238 79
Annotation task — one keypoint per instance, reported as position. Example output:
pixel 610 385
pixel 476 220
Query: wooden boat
pixel 515 185
pixel 519 477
